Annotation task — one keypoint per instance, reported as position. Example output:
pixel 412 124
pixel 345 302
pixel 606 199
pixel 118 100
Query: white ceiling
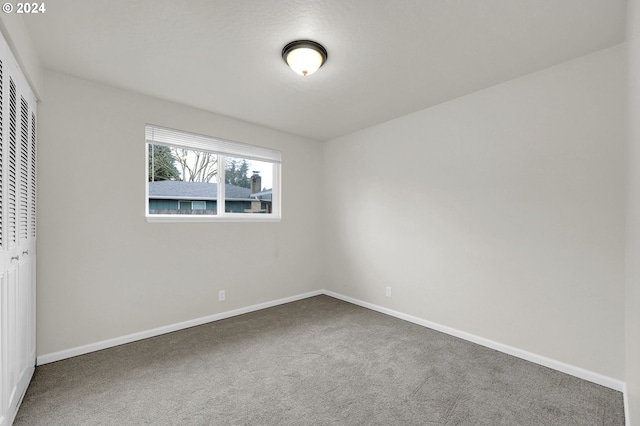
pixel 386 58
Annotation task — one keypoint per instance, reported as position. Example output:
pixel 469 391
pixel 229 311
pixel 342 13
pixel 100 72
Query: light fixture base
pixel 304 56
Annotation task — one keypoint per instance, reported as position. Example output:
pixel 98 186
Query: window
pixel 191 205
pixel 198 205
pixel 191 177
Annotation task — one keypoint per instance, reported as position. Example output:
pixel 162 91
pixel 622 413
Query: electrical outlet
pixel 221 295
pixel 388 291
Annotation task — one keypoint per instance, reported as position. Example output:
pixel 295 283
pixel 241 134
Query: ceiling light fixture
pixel 304 56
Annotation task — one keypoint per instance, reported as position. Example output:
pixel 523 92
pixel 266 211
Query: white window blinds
pixel 157 135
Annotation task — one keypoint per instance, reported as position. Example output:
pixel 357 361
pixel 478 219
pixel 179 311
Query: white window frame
pixel 157 135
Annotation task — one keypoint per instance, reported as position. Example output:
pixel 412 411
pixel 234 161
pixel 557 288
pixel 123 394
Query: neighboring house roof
pixel 180 190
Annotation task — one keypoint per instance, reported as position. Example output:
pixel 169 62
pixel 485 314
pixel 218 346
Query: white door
pixel 17 235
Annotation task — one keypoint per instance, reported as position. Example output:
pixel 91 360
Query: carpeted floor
pixel 318 361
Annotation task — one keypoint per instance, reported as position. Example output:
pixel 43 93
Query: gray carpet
pixel 319 361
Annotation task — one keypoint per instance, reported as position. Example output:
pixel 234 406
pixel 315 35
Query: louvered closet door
pixel 17 235
pixel 5 380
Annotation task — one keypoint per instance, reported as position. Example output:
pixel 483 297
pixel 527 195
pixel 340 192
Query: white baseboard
pixel 519 353
pixel 625 398
pixel 538 359
pixel 92 347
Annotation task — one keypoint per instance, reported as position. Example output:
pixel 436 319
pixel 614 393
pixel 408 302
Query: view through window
pixel 185 181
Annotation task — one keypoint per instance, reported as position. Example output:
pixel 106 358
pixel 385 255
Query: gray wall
pixel 500 214
pixel 106 272
pixel 633 253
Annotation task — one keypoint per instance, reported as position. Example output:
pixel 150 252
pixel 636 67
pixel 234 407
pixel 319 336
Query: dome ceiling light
pixel 304 56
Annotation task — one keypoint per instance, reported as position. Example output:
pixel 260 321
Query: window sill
pixel 159 218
